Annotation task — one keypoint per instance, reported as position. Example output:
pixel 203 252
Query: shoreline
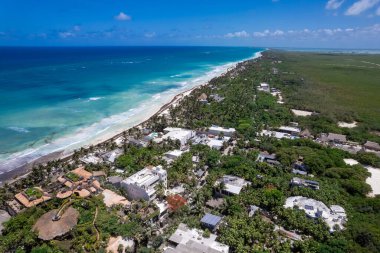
pixel 23 170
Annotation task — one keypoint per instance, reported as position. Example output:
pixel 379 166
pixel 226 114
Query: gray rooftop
pixel 211 219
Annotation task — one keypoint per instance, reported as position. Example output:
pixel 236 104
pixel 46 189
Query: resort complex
pixel 232 166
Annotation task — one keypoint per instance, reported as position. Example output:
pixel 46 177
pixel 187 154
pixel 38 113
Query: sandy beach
pixel 145 113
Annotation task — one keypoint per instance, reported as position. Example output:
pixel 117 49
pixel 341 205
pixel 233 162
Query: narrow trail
pixel 93 223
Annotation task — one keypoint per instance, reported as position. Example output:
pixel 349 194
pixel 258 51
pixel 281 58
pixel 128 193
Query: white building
pixel 289 130
pixel 263 87
pixel 183 135
pixel 335 216
pixel 217 130
pixel 174 154
pixel 276 134
pixel 143 184
pixel 217 143
pixel 186 240
pixel 90 159
pixel 232 184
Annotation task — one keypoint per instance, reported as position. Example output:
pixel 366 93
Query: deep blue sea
pixel 61 98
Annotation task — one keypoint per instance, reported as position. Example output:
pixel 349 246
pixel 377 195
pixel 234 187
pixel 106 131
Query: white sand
pixel 374 181
pixel 301 113
pixel 347 125
pixel 111 198
pixel 114 242
pixel 350 161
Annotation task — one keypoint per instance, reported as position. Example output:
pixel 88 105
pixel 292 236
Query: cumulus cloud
pixel 123 17
pixel 270 33
pixel 322 34
pixel 150 35
pixel 334 4
pixel 241 34
pixel 360 6
pixel 65 35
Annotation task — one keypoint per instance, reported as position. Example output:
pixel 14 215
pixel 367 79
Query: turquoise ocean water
pixel 54 99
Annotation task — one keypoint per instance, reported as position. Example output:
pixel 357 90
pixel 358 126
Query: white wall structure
pixel 143 184
pixel 217 130
pixel 183 135
pixel 335 216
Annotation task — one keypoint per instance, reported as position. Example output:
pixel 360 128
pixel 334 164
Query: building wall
pixel 135 192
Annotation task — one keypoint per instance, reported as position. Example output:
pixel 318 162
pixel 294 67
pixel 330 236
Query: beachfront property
pixel 138 143
pixel 112 155
pixel 143 184
pixel 186 240
pixel 91 159
pixel 32 197
pixel 203 98
pixel 300 182
pixel 217 130
pixel 232 185
pixel 335 216
pixel 178 134
pixel 79 182
pixel 264 87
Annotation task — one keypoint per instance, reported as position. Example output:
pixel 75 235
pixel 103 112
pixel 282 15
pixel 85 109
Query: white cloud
pixel 360 6
pixel 269 33
pixel 334 4
pixel 65 35
pixel 123 17
pixel 378 11
pixel 241 34
pixel 150 35
pixel 278 33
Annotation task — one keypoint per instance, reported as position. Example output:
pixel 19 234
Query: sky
pixel 262 23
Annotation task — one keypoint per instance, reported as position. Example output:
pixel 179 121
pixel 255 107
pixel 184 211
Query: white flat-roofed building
pixel 289 130
pixel 174 154
pixel 143 184
pixel 217 143
pixel 180 134
pixel 217 130
pixel 277 135
pixel 335 216
pixel 186 240
pixel 232 184
pixel 263 87
pixel 90 159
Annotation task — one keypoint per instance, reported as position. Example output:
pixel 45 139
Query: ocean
pixel 58 98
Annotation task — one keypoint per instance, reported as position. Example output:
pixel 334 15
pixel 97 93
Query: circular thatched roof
pixel 48 229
